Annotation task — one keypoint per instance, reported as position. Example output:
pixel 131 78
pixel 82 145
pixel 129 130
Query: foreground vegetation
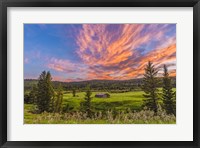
pixel 108 117
pixel 148 104
pixel 120 108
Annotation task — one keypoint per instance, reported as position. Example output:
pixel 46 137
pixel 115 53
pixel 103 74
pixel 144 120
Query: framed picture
pixel 103 73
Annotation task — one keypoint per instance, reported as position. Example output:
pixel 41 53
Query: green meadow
pixel 118 101
pixel 128 106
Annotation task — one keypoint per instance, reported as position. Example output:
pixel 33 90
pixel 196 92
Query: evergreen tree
pixel 169 98
pixel 45 92
pixel 87 102
pixel 74 92
pixel 33 94
pixel 58 99
pixel 29 98
pixel 149 86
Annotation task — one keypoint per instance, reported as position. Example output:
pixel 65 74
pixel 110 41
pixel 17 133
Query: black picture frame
pixel 4 4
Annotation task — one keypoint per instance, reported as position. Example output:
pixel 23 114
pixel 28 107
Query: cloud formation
pixel 118 52
pixel 61 65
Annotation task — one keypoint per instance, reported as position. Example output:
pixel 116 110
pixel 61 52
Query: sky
pixel 79 52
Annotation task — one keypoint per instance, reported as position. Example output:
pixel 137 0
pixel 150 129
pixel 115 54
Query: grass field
pixel 117 102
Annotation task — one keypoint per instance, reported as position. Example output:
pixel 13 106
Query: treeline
pixel 112 86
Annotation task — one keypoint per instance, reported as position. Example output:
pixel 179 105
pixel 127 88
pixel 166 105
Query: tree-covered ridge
pixel 100 85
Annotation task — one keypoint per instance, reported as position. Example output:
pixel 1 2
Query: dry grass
pixel 108 117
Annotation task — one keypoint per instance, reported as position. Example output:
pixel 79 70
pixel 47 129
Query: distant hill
pixel 97 85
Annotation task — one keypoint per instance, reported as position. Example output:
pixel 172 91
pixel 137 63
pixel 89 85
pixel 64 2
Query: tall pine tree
pixel 33 94
pixel 150 87
pixel 74 92
pixel 87 102
pixel 58 99
pixel 45 92
pixel 169 98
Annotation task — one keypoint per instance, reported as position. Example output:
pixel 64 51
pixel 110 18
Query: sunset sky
pixel 77 52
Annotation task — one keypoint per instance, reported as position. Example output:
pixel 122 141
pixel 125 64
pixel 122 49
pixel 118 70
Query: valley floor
pixel 120 108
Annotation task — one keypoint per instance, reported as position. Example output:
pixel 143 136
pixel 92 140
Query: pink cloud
pixel 114 55
pixel 61 65
pixel 121 52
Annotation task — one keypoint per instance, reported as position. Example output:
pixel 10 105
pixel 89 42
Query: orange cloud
pixel 103 51
pixel 118 54
pixel 158 58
